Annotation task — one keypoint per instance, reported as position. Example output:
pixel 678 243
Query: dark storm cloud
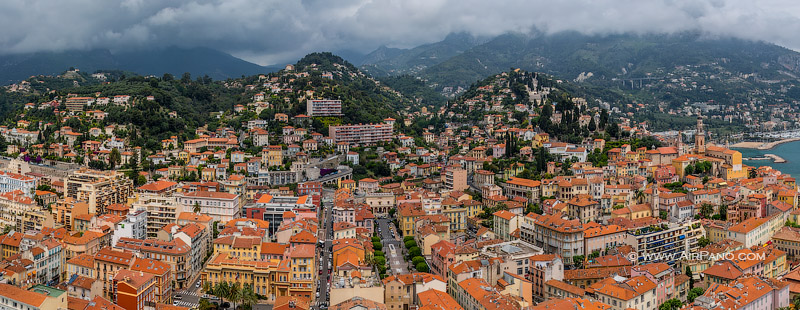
pixel 267 31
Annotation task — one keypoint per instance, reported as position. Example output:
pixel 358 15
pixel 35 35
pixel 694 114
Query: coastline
pixel 763 146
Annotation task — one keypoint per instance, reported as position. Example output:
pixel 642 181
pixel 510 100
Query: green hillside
pixel 567 55
pixel 174 60
pixel 183 103
pixel 392 61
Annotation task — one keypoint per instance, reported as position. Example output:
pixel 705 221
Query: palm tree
pixel 222 290
pixel 639 195
pixel 234 293
pixel 196 208
pixel 204 304
pixel 249 297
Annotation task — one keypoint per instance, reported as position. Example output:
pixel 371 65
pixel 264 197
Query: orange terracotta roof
pixel 504 215
pixel 24 296
pixel 723 269
pixel 137 280
pixel 100 303
pixel 83 260
pixel 523 182
pixel 157 186
pixel 303 250
pixel 152 266
pixel 564 286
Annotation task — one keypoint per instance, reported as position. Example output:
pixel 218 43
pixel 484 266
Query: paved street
pixel 262 307
pixel 392 247
pixel 326 233
pixel 190 297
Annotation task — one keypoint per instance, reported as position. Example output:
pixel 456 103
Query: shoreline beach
pixel 762 145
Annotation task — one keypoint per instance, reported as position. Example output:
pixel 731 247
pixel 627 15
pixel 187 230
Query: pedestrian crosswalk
pixel 191 293
pixel 186 304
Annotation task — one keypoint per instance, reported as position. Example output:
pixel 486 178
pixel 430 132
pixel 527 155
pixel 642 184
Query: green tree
pixel 422 267
pixel 541 160
pixel 133 162
pixel 186 78
pixel 723 212
pixel 795 302
pixel 691 278
pixel 204 304
pixel 639 196
pixel 672 304
pixel 114 157
pixel 248 297
pixel 221 290
pixel 694 293
pixel 196 207
pixel 418 259
pixel 410 244
pixel 577 260
pixel 235 293
pixel 603 118
pixel 594 254
pixel 613 130
pixel 534 208
pixel 706 209
pixel 703 241
pixel 688 170
pixel 414 251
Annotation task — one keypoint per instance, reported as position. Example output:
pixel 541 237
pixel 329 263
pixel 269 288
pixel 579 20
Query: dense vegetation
pixel 392 61
pixel 174 60
pixel 569 54
pixel 662 72
pixel 415 88
pixel 183 104
pixel 148 121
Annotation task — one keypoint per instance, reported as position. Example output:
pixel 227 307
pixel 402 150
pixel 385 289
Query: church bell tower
pixel 700 137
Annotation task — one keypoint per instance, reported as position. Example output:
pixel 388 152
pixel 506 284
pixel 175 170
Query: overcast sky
pixel 281 31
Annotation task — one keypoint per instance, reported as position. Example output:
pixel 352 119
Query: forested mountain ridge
pixel 173 60
pixel 568 54
pixel 665 79
pixel 394 61
pixel 165 106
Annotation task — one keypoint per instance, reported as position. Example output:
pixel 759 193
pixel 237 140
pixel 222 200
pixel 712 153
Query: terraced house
pixel 554 234
pixel 176 253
